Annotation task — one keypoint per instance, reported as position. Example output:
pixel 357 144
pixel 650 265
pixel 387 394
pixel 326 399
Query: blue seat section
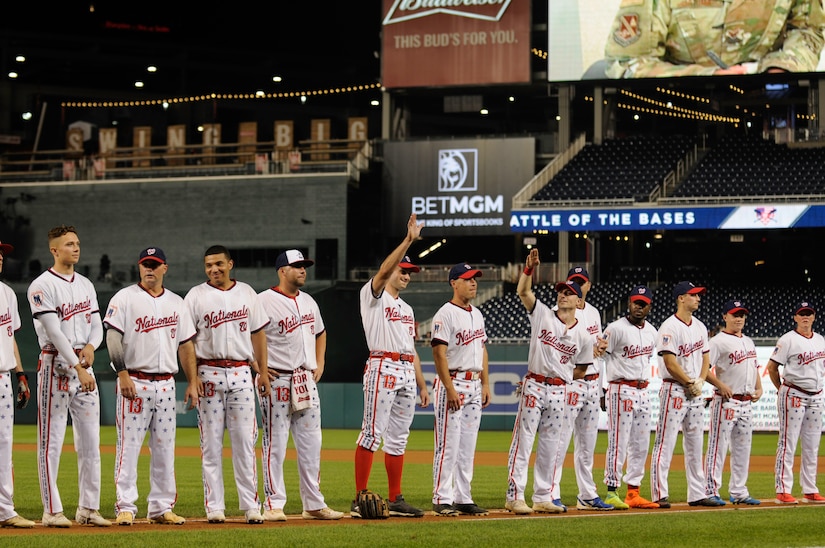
pixel 618 168
pixel 750 166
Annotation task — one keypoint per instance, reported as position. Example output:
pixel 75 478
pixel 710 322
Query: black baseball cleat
pixel 707 501
pixel 471 509
pixel 445 510
pixel 400 508
pixel 663 503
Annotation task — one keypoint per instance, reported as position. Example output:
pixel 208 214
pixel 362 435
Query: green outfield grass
pixel 798 526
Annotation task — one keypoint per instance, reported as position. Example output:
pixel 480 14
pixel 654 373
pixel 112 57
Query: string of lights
pixel 673 110
pixel 258 95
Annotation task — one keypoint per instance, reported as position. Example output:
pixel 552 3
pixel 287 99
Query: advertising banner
pixel 457 187
pixel 746 217
pixel 455 42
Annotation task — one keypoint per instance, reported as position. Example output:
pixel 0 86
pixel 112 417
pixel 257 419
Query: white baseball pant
pixel 800 421
pixel 628 434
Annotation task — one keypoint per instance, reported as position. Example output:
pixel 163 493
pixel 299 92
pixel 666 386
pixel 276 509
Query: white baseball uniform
pixel 456 432
pixel 678 410
pixel 9 324
pixel 225 320
pixel 152 329
pixel 800 403
pixel 294 325
pixel 583 411
pixel 630 349
pixel 733 358
pixel 73 301
pixel 544 408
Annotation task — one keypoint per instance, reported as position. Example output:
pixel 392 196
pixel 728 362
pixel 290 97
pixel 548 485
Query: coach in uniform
pixel 737 380
pixel 801 354
pixel 10 361
pixel 676 38
pixel 67 321
pixel 392 374
pixel 296 347
pixel 461 390
pixel 147 329
pixel 560 351
pixel 631 342
pixel 682 346
pixel 229 344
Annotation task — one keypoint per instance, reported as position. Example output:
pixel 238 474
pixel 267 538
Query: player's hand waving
pixel 414 228
pixel 533 258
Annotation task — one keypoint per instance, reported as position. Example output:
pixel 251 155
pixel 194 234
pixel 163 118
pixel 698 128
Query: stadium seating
pixel 619 168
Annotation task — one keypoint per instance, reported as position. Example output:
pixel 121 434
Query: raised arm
pixel 392 260
pixel 524 290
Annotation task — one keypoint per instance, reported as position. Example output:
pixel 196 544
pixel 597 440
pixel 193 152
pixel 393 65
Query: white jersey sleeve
pixel 225 320
pixel 152 328
pixel 293 325
pixel 462 330
pixel 389 323
pixel 9 324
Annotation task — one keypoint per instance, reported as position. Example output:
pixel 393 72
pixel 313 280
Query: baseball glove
pixel 23 392
pixel 372 505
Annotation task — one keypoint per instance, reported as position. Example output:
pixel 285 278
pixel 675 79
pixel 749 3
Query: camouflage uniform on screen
pixel 680 37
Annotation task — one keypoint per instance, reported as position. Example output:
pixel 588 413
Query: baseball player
pixel 461 390
pixel 392 374
pixel 631 342
pixel 10 361
pixel 585 404
pixel 676 38
pixel 737 380
pixel 296 346
pixel 801 354
pixel 147 326
pixel 67 322
pixel 230 344
pixel 682 346
pixel 561 350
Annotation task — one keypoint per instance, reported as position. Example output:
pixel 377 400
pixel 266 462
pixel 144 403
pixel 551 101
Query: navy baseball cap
pixel 464 271
pixel 292 257
pixel 641 293
pixel 152 254
pixel 571 285
pixel 407 264
pixel 687 288
pixel 734 306
pixel 5 249
pixel 578 272
pixel 804 305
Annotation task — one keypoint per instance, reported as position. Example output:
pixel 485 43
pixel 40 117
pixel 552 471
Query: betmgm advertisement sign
pixel 457 187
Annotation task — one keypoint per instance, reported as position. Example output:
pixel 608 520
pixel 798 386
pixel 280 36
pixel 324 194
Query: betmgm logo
pixel 458 170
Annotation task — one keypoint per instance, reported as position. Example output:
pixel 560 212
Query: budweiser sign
pixel 485 10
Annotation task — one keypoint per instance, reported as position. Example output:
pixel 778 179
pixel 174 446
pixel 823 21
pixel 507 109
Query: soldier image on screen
pixel 652 38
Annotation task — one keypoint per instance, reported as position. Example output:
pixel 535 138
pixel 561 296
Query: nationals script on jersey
pixel 294 324
pixel 803 359
pixel 73 299
pixel 389 323
pixel 735 362
pixel 556 349
pixel 462 329
pixel 629 349
pixel 225 319
pixel 687 342
pixel 9 323
pixel 152 328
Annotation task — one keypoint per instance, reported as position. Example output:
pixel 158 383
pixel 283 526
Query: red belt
pixel 591 377
pixel 151 376
pixel 466 375
pixel 555 381
pixel 52 351
pixel 634 384
pixel 741 397
pixel 222 363
pixel 808 392
pixel 394 356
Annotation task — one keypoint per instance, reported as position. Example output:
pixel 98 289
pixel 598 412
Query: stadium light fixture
pixel 20 58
